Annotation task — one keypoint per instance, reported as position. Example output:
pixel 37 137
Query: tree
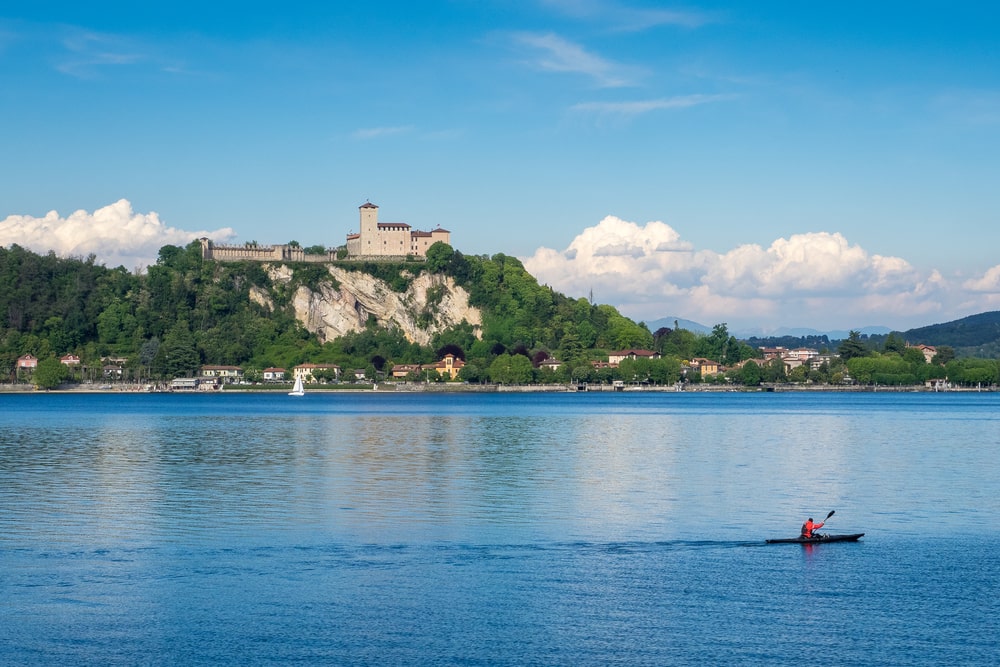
pixel 914 357
pixel 472 371
pixel 623 334
pixel 177 356
pixel 570 349
pixel 511 369
pixel 664 371
pixel 50 373
pixel 439 257
pixel 774 371
pixel 894 342
pixel 945 353
pixel 852 347
pixel 147 353
pixel 451 349
pixel 752 374
pixel 679 343
pixel 799 374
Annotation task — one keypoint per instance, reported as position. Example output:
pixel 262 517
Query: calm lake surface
pixel 500 529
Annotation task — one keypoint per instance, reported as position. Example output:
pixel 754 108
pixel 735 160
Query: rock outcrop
pixel 432 304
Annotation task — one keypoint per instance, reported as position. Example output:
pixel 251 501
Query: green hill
pixel 973 336
pixel 185 312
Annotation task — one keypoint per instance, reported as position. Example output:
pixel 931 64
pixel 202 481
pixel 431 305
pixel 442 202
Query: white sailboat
pixel 299 389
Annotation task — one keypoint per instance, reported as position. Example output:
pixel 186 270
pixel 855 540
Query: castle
pixel 376 240
pixel 390 239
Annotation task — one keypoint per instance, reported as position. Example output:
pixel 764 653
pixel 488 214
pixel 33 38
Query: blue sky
pixel 761 164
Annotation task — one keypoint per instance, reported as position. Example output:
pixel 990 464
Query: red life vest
pixel 808 527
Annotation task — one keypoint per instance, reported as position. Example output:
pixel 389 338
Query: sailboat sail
pixel 299 389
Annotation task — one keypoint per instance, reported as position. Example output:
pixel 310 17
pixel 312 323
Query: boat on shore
pixel 817 539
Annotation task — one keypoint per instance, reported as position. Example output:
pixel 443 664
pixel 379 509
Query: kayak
pixel 818 539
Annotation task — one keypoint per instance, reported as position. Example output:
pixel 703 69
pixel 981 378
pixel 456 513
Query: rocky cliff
pixel 431 304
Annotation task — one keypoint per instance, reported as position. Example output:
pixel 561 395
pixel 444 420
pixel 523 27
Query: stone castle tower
pixel 390 239
pixel 369 219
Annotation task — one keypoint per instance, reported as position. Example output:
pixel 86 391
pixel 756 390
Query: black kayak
pixel 818 539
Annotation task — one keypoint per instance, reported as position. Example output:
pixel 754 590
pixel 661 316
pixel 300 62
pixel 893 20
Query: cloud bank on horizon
pixel 115 234
pixel 817 280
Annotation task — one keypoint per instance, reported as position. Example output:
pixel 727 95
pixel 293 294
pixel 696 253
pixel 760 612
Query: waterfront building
pixel 448 367
pixel 273 375
pixel 224 374
pixel 621 355
pixel 306 371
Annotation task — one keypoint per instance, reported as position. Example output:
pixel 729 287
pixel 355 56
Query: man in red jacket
pixel 808 527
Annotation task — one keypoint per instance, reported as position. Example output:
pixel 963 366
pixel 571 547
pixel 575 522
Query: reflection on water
pixel 492 468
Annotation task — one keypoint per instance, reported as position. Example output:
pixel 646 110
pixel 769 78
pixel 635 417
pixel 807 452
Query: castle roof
pixel 368 204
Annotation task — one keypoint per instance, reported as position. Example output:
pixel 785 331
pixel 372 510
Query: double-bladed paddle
pixel 828 516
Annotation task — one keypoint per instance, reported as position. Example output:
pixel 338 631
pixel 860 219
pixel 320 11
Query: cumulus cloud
pixel 988 282
pixel 116 234
pixel 815 279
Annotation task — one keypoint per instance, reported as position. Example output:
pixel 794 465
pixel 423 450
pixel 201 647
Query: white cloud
pixel 622 17
pixel 88 52
pixel 988 282
pixel 115 234
pixel 815 279
pixel 814 264
pixel 635 108
pixel 379 132
pixel 556 54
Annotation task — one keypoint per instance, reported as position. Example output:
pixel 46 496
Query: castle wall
pixel 258 253
pixel 375 240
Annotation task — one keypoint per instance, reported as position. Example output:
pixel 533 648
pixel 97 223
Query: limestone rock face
pixel 431 304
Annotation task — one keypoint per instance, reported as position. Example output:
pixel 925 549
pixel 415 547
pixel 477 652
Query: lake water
pixel 500 529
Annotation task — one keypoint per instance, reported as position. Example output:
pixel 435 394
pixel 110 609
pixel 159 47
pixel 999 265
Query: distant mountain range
pixel 678 323
pixel 975 335
pixel 744 334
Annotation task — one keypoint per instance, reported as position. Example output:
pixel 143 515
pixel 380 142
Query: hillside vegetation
pixel 973 336
pixel 184 312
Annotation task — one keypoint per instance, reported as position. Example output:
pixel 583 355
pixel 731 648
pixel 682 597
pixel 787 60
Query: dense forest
pixel 184 312
pixel 972 336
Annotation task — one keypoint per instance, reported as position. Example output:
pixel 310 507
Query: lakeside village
pixel 392 241
pixel 697 374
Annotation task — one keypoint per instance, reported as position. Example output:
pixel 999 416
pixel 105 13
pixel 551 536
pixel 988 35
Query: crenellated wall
pixel 260 253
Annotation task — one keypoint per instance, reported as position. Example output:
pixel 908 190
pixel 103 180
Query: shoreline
pixel 449 388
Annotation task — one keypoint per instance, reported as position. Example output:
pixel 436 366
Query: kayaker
pixel 808 527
